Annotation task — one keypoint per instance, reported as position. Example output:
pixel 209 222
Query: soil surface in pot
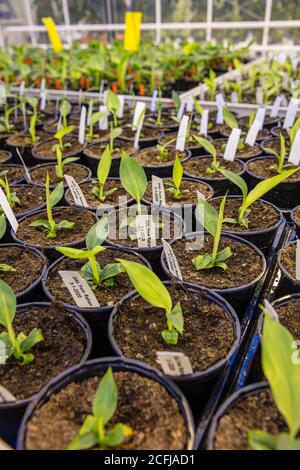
pixel 106 296
pixel 288 259
pixel 167 123
pixel 244 266
pixel 279 130
pixel 170 139
pixel 4 156
pixel 143 404
pixel 257 411
pixel 261 217
pixel 149 157
pixel 14 173
pixel 261 168
pixel 95 151
pixel 98 135
pixel 39 173
pixel 243 153
pixel 51 128
pixel 28 267
pixel 208 329
pixel 22 140
pixel 84 220
pixel 198 166
pixel 63 347
pixel 147 133
pixel 189 197
pixel 31 198
pixel 45 149
pixel 93 201
pixel 289 315
pixel 273 144
pixel 297 215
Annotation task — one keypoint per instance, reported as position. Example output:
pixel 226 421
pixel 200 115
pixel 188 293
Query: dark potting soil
pixel 263 134
pixel 257 411
pixel 44 150
pixel 166 122
pixel 21 140
pixel 95 151
pixel 262 169
pixel 243 153
pixel 98 136
pixel 147 133
pixel 84 220
pixel 171 140
pixel 149 157
pixel 273 144
pixel 93 201
pixel 207 337
pixel 63 347
pixel 289 315
pixel 106 296
pixel 244 266
pixel 189 197
pixel 143 404
pixel 31 198
pixel 261 217
pixel 51 128
pixel 28 267
pixel 288 259
pixel 297 215
pixel 279 130
pixel 197 167
pixel 4 156
pixel 14 173
pixel 39 173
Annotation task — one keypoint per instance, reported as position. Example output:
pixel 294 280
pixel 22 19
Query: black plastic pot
pixel 12 413
pixel 90 369
pixel 13 165
pixel 238 297
pixel 196 150
pixel 275 131
pixel 220 185
pixel 143 143
pixel 45 159
pixel 239 157
pixel 94 162
pixel 23 214
pixel 97 318
pixel 26 152
pixel 163 171
pixel 285 196
pixel 8 155
pixel 269 141
pixel 165 128
pixel 228 404
pixel 297 223
pixel 263 238
pixel 50 251
pixel 44 165
pixel 195 386
pixel 287 284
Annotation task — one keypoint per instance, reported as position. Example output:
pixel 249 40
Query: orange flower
pixel 115 88
pixel 58 85
pixel 142 89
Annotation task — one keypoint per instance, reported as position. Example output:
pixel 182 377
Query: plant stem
pixel 93 264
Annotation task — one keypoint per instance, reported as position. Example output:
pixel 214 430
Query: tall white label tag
pixel 103 123
pixel 6 396
pixel 81 134
pixel 172 261
pixel 2 93
pixel 271 310
pixel 181 110
pixel 139 129
pixel 79 289
pixel 153 101
pixel 298 261
pixel 8 211
pixel 145 230
pixel 253 133
pixel 22 88
pixel 102 83
pixel 260 116
pixel 27 173
pixel 202 92
pixel 204 123
pixel 259 96
pixel 43 85
pixel 232 145
pixel 282 56
pixel 140 108
pixel 120 112
pixel 275 108
pixel 294 156
pixel 220 103
pixel 181 136
pixel 43 100
pixel 189 104
pixel 76 192
pixel 291 114
pixel 174 363
pixel 90 112
pixel 158 191
pixel 234 97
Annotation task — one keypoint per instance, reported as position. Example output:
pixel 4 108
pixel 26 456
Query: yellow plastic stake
pixel 53 34
pixel 132 36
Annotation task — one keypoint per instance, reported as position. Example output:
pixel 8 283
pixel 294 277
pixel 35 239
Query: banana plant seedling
pixel 95 432
pixel 256 193
pixel 210 81
pixel 95 117
pixel 5 125
pixel 113 105
pixel 65 109
pixel 59 136
pixel 17 346
pixel 92 272
pixel 163 150
pixel 281 166
pixel 11 197
pixel 215 165
pixel 61 163
pixel 212 221
pixel 102 175
pixel 174 188
pixel 52 198
pixel 32 127
pixel 281 367
pixel 114 134
pixel 154 292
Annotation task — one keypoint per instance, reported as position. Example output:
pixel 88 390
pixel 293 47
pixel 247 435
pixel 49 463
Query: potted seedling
pixel 162 121
pixel 274 144
pixel 98 136
pixel 287 259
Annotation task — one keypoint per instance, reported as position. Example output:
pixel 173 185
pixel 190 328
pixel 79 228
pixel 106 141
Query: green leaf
pixel 111 270
pixel 96 117
pixel 98 233
pixel 104 166
pixel 285 442
pixel 75 253
pixel 63 132
pixel 133 177
pixel 115 133
pixel 198 106
pixel 237 180
pixel 177 172
pixel 224 254
pixel 229 119
pixel 65 224
pixel 209 147
pixel 70 160
pixel 8 304
pixel 282 373
pixel 106 398
pixel 260 440
pixel 148 285
pixel 34 337
pixel 7 268
pixel 57 194
pixel 113 102
pixel 117 435
pixel 65 107
pixel 207 216
pixel 176 318
pixel 84 442
pixel 2 225
pixel 40 223
pixel 170 337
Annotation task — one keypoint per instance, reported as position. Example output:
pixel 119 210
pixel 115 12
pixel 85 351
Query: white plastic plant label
pixel 275 108
pixel 43 85
pixel 259 95
pixel 43 100
pixel 172 261
pixel 6 396
pixel 260 116
pixel 291 114
pixel 140 109
pixel 120 112
pixel 145 231
pixel 182 133
pixel 271 310
pixel 298 261
pixel 204 123
pixel 103 123
pixel 158 191
pixel 102 83
pixel 189 104
pixel 8 211
pixel 174 363
pixel 220 103
pixel 81 133
pixel 234 97
pixel 153 101
pixel 294 156
pixel 27 173
pixel 181 110
pixel 22 88
pixel 90 112
pixel 232 145
pixel 76 192
pixel 201 92
pixel 79 289
pixel 253 133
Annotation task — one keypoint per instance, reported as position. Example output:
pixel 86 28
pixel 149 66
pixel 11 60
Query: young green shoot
pixel 174 188
pixel 94 432
pixel 215 166
pixel 159 106
pixel 17 346
pixel 52 198
pixel 163 150
pixel 211 84
pixel 212 221
pixel 59 136
pixel 95 117
pixel 102 175
pixel 114 134
pixel 154 292
pixel 280 167
pixel 65 109
pixel 11 197
pixel 133 179
pixel 113 104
